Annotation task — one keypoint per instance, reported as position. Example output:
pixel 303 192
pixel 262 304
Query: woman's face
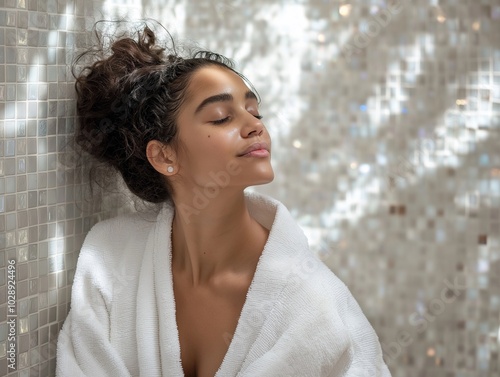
pixel 217 122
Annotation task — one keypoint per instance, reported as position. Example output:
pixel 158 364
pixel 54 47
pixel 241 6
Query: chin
pixel 271 178
pixel 267 178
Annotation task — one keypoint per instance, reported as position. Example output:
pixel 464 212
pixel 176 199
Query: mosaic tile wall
pixel 385 119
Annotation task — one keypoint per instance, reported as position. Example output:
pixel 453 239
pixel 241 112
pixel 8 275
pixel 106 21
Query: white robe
pixel 298 319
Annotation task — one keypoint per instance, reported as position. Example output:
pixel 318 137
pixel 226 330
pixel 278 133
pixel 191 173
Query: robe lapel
pixel 268 282
pixel 170 348
pixel 285 243
pixel 148 340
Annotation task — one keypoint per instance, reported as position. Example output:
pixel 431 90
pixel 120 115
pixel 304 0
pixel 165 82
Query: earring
pixel 170 169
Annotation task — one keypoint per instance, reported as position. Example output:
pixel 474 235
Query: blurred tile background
pixel 385 119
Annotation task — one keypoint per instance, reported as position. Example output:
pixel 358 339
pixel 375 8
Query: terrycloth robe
pixel 298 318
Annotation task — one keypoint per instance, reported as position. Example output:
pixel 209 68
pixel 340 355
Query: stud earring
pixel 170 169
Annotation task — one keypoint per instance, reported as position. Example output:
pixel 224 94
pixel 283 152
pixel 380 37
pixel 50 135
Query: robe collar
pixel 284 249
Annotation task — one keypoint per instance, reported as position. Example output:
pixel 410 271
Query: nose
pixel 253 126
pixel 257 132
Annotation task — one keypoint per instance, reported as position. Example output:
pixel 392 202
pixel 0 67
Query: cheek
pixel 219 146
pixel 211 156
pixel 207 147
pixel 222 141
pixel 212 149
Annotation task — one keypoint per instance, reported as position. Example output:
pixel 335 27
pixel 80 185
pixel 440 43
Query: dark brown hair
pixel 128 96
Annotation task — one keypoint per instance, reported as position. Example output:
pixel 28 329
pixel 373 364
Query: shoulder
pixel 112 251
pixel 118 232
pixel 124 225
pixel 120 240
pixel 327 303
pixel 312 282
pixel 310 276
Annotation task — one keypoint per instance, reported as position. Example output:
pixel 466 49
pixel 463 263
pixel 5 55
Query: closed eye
pixel 220 121
pixel 223 120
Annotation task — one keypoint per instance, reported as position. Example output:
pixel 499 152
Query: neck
pixel 219 239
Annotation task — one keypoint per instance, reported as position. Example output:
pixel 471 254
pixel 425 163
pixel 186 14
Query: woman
pixel 219 281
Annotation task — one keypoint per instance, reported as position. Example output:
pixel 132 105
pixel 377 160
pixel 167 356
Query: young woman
pixel 218 282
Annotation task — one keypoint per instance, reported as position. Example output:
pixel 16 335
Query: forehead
pixel 212 80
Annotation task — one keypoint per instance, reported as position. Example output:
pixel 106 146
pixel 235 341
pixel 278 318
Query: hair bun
pixel 131 54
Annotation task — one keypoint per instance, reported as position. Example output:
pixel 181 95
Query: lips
pixel 254 147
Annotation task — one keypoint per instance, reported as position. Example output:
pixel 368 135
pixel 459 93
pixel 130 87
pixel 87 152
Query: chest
pixel 206 321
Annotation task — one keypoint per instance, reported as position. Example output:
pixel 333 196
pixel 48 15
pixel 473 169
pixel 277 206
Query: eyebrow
pixel 223 97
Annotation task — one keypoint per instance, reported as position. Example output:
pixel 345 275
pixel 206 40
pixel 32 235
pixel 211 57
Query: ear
pixel 161 157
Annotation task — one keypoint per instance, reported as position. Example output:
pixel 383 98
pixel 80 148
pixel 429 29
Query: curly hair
pixel 130 96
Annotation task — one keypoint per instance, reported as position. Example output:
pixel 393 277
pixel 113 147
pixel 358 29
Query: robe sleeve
pixel 366 351
pixel 315 329
pixel 84 347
